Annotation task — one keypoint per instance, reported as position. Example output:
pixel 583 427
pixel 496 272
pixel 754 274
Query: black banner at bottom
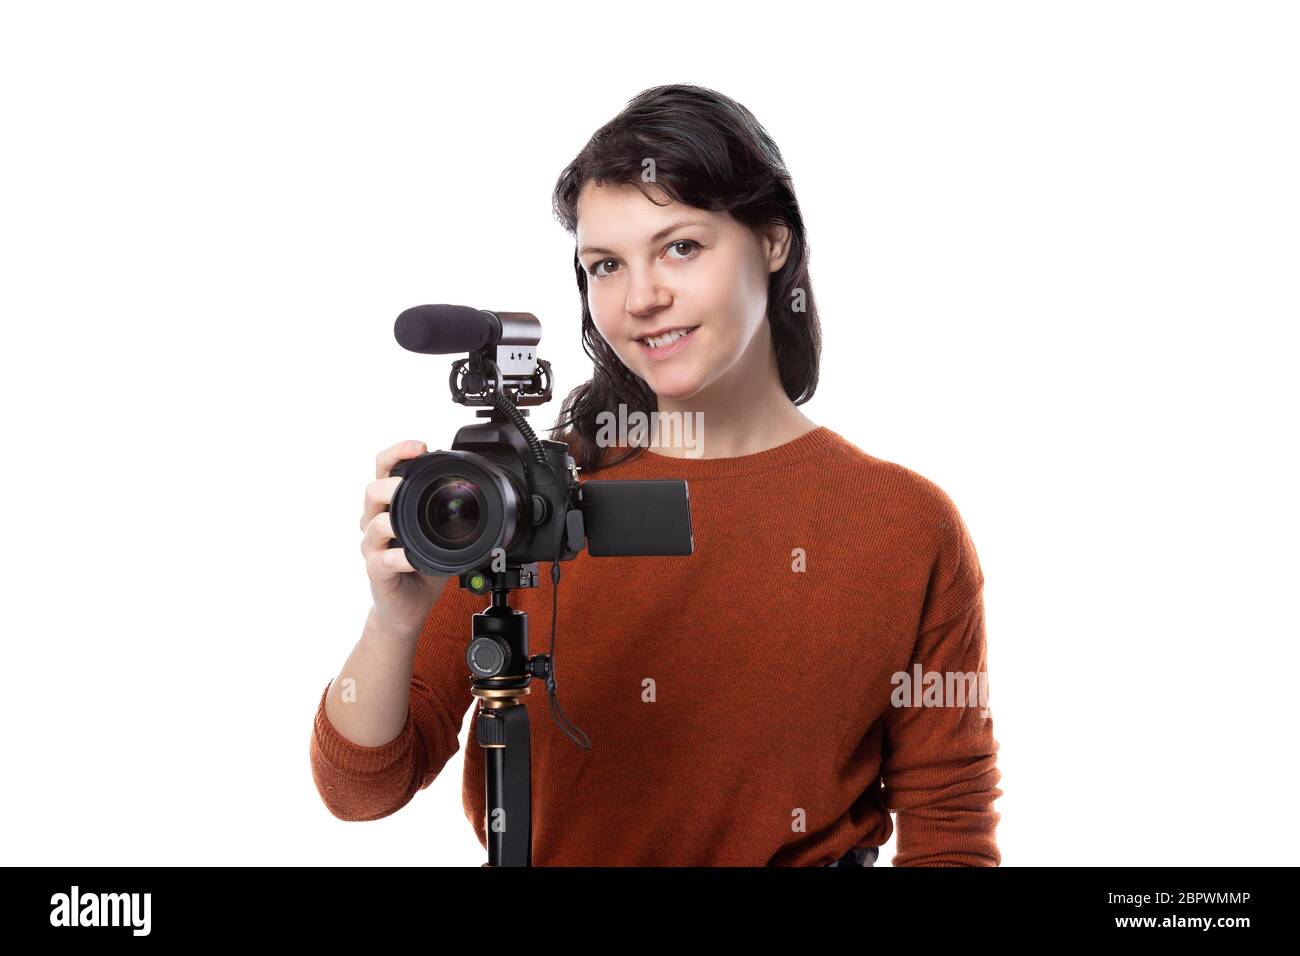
pixel 212 905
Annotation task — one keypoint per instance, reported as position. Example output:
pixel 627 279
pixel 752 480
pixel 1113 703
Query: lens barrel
pixel 452 509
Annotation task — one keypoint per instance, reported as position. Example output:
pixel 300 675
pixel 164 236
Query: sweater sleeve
pixel 939 761
pixel 357 782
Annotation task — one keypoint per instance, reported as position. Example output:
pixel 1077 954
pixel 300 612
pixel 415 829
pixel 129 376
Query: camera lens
pixel 453 511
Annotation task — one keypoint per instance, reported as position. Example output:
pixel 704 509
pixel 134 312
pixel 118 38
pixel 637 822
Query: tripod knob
pixel 487 657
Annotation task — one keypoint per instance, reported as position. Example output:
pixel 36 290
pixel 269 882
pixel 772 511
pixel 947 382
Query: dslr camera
pixel 500 499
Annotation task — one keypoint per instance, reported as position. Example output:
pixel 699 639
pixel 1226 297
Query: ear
pixel 776 245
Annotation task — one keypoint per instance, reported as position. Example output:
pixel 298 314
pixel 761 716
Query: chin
pixel 674 385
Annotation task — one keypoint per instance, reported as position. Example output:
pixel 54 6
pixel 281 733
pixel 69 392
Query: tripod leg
pixel 503 734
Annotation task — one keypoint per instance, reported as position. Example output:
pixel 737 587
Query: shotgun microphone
pixel 446 329
pixel 452 329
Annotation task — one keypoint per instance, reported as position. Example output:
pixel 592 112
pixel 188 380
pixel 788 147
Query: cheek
pixel 607 315
pixel 725 290
pixel 729 309
pixel 597 305
pixel 602 328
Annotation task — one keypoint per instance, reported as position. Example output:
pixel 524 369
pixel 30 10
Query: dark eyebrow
pixel 661 234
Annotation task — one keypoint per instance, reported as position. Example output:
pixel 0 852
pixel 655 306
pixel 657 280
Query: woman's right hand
pixel 403 596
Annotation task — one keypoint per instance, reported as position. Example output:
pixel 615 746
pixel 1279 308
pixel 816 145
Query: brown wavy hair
pixel 709 152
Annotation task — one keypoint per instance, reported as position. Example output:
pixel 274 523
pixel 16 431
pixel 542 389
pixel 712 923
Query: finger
pixel 378 533
pixel 387 562
pixel 387 458
pixel 379 495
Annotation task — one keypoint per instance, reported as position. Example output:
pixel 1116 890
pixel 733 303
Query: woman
pixel 769 699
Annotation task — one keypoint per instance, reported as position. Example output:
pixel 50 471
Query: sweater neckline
pixel 809 443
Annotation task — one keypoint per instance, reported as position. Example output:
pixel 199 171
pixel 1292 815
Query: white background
pixel 1054 247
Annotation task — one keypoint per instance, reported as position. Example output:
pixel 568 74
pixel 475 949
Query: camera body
pixel 487 498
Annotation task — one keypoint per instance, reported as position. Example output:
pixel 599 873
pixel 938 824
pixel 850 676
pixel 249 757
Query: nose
pixel 645 293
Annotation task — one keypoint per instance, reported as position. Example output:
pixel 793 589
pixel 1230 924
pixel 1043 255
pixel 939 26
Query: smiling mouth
pixel 668 339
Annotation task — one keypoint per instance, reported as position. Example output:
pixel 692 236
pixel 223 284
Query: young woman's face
pixel 654 268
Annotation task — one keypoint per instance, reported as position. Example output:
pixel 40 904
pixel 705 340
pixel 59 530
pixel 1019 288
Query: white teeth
pixel 668 338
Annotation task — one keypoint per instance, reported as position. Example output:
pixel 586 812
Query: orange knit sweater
pixel 765 701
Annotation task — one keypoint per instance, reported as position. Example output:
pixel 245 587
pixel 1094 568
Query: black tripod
pixel 501 673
